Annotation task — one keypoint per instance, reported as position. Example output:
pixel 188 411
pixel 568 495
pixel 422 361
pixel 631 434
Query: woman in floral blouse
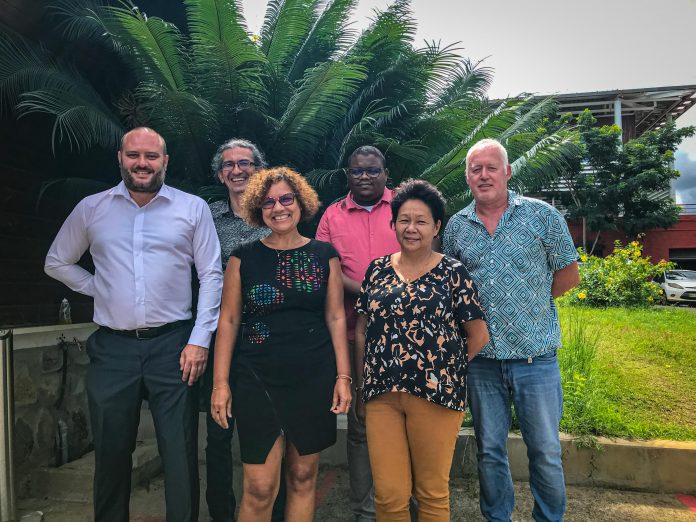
pixel 419 323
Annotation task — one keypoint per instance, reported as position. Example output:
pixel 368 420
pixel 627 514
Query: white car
pixel 678 286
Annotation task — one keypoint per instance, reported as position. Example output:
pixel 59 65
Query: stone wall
pixel 50 364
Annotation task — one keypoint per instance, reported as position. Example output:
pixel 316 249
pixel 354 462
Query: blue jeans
pixel 535 390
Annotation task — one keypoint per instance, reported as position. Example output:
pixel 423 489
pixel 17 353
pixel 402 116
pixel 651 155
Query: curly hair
pixel 261 183
pixel 422 191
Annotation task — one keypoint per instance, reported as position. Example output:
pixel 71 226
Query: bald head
pixel 145 131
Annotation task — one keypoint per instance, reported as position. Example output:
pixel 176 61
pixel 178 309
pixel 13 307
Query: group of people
pixel 368 318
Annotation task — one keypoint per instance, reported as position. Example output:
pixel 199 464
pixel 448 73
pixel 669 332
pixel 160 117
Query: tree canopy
pixel 308 89
pixel 622 186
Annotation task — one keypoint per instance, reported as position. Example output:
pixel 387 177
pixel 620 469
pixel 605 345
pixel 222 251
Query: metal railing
pixel 687 209
pixel 8 510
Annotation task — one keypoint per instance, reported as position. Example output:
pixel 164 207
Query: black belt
pixel 147 333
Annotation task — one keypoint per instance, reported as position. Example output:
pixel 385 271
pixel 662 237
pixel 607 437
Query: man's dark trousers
pixel 122 371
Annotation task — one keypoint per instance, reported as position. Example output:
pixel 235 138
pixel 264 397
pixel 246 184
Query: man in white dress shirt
pixel 144 237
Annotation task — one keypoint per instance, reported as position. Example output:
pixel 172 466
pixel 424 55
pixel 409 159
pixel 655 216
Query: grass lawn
pixel 640 382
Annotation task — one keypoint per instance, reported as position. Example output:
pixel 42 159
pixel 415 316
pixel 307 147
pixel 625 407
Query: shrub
pixel 623 278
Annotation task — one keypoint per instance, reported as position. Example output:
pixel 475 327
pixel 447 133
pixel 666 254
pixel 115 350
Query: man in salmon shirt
pixel 359 227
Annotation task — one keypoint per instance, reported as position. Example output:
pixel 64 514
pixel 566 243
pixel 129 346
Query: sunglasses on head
pixel 286 200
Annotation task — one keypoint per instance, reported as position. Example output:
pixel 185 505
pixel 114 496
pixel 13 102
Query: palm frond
pixel 544 161
pixel 391 31
pixel 469 81
pixel 157 46
pixel 489 127
pixel 532 114
pixel 328 35
pixel 318 105
pixel 322 179
pixel 33 82
pixel 186 121
pixel 81 20
pixel 79 121
pixel 285 28
pixel 228 64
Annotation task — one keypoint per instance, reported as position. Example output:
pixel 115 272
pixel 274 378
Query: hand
pixel 360 410
pixel 341 396
pixel 192 362
pixel 221 405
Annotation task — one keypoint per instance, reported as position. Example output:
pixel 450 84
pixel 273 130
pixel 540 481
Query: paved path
pixel 584 504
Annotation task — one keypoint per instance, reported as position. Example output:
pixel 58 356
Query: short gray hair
pixel 487 142
pixel 257 155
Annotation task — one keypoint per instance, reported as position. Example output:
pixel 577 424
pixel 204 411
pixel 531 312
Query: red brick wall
pixel 657 242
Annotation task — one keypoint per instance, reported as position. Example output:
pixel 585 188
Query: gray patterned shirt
pixel 513 270
pixel 232 230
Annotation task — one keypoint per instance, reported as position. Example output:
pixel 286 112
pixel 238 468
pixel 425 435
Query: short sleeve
pixel 323 230
pixel 325 250
pixel 558 242
pixel 467 305
pixel 361 305
pixel 240 251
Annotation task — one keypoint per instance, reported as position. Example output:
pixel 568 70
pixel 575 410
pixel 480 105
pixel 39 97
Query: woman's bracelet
pixel 346 377
pixel 221 386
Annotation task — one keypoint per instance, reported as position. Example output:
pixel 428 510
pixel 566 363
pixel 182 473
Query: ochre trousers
pixel 411 443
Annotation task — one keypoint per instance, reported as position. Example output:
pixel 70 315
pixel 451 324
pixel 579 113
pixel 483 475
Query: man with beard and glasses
pixel 144 237
pixel 359 228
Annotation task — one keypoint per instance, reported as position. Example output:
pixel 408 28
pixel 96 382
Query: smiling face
pixel 415 227
pixel 367 190
pixel 142 161
pixel 236 178
pixel 487 175
pixel 280 218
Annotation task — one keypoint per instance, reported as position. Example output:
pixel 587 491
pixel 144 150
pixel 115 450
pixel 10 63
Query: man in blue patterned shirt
pixel 521 256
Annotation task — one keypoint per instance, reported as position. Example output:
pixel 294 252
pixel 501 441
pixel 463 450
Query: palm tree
pixel 308 90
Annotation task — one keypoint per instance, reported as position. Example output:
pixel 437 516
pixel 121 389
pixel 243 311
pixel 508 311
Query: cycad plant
pixel 308 90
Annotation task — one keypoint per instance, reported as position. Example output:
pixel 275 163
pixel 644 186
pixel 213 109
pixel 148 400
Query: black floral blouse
pixel 415 341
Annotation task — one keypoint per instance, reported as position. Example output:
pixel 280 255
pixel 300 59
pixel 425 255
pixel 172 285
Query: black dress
pixel 284 369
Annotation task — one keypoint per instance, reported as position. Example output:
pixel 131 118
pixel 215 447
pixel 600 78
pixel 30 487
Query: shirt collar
pixel 121 190
pixel 352 205
pixel 514 200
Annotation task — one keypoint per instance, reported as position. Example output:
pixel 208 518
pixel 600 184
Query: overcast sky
pixel 555 46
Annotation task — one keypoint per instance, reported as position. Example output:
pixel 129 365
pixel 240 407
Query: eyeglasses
pixel 286 200
pixel 242 164
pixel 373 172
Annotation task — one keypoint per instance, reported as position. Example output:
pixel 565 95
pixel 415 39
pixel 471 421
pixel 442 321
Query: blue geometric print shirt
pixel 513 270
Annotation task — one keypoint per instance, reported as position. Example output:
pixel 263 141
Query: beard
pixel 151 186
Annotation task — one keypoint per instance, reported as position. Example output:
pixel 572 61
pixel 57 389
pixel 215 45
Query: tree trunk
pixel 594 244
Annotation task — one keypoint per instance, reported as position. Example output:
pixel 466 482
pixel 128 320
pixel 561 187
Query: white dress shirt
pixel 142 258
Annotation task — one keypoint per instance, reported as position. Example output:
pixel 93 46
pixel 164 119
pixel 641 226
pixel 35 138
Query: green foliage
pixel 623 278
pixel 628 372
pixel 622 186
pixel 307 90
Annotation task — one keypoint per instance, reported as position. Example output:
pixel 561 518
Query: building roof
pixel 652 107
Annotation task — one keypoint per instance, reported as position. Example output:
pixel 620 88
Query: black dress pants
pixel 121 373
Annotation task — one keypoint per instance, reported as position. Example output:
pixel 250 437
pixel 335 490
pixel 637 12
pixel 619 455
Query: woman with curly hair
pixel 290 373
